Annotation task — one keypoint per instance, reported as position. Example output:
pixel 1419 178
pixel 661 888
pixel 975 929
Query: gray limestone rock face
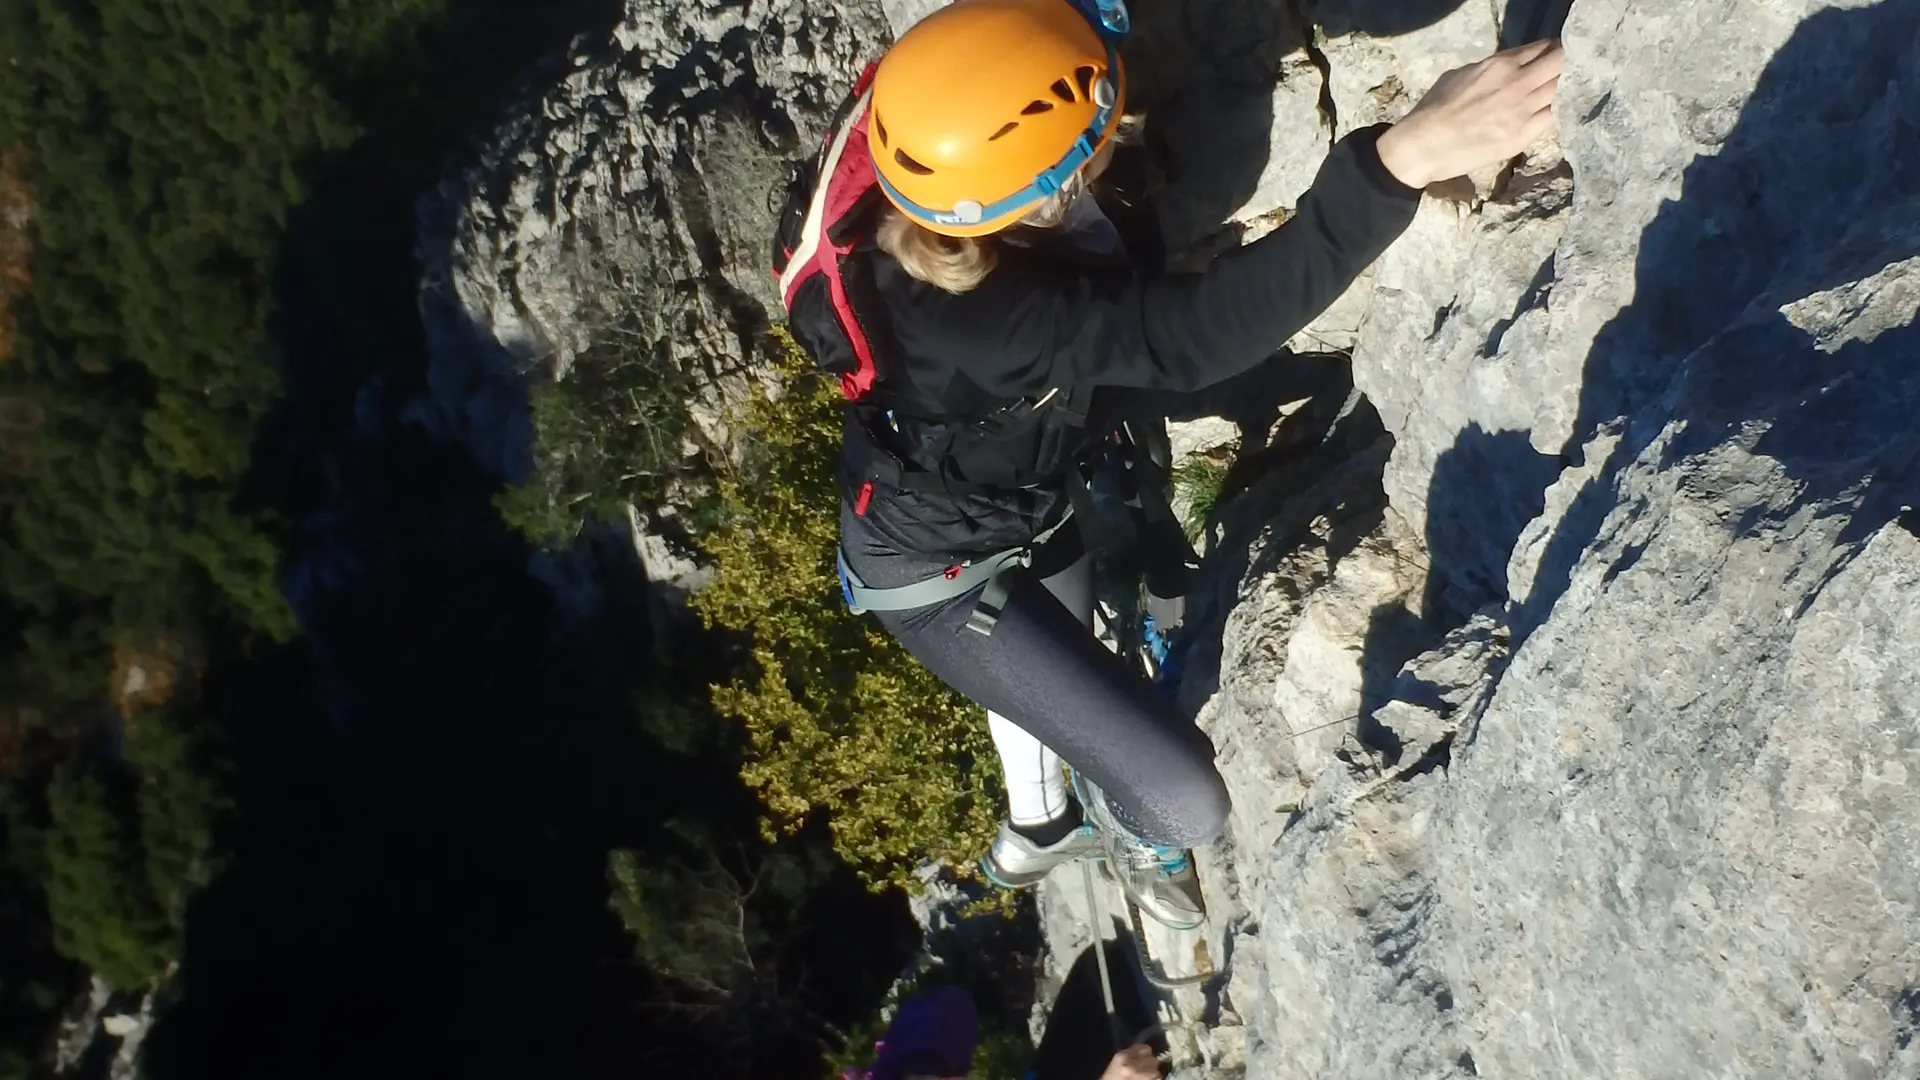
pixel 1587 753
pixel 1382 55
pixel 103 1031
pixel 1450 352
pixel 902 14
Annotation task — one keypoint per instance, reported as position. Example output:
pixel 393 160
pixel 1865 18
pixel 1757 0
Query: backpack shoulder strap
pixel 813 234
pixel 845 191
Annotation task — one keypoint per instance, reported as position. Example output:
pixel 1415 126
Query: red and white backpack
pixel 830 201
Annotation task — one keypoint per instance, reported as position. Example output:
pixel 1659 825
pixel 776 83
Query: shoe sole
pixel 986 871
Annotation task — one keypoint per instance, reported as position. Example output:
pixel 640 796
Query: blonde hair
pixel 956 264
pixel 959 264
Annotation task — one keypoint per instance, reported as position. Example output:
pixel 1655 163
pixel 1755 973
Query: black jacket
pixel 1039 325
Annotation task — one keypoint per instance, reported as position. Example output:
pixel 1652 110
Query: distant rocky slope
pixel 625 195
pixel 636 182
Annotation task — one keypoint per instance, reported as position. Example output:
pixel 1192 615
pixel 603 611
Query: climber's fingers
pixel 1541 96
pixel 1475 116
pixel 1538 124
pixel 1546 65
pixel 1525 55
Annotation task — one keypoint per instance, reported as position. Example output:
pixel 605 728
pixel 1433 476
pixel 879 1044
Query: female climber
pixel 1016 319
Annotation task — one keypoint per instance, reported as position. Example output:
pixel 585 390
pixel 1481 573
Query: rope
pixel 1095 913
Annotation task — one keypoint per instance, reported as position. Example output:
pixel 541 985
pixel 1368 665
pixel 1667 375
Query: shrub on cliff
pixel 838 717
pixel 611 429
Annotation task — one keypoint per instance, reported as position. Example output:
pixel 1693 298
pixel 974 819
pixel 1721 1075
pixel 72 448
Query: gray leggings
pixel 1041 669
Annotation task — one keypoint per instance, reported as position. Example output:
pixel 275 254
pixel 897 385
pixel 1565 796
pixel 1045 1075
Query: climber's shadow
pixel 1531 20
pixel 1203 73
pixel 1815 185
pixel 1079 1039
pixel 1321 463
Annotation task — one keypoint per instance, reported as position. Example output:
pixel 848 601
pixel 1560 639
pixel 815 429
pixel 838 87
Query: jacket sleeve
pixel 1034 325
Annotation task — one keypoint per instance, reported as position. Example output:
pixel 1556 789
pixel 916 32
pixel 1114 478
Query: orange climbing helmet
pixel 986 107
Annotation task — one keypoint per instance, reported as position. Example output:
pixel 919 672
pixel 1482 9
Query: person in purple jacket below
pixel 933 1035
pixel 1015 317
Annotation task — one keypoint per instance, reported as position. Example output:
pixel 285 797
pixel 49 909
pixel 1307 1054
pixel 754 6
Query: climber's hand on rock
pixel 1136 1062
pixel 1476 115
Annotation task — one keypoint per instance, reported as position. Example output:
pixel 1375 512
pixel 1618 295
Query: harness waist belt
pixel 995 572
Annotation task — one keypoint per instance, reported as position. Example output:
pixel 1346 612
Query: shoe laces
pixel 1135 852
pixel 1140 855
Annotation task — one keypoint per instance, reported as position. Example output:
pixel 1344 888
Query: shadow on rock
pixel 1203 74
pixel 1473 522
pixel 1079 1039
pixel 1322 463
pixel 1210 74
pixel 1485 490
pixel 1532 20
pixel 1816 186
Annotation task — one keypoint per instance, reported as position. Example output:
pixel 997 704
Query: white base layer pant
pixel 1036 780
pixel 1036 783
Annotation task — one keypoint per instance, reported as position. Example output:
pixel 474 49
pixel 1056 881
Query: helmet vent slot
pixel 911 165
pixel 1063 90
pixel 1004 131
pixel 1084 75
pixel 881 128
pixel 1035 108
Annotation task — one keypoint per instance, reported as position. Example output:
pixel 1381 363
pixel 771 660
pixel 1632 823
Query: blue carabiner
pixel 846 580
pixel 1109 17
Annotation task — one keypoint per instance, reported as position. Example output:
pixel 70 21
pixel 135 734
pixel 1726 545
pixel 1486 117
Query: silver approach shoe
pixel 1015 861
pixel 1159 880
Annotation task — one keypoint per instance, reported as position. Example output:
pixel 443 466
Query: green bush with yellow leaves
pixel 838 718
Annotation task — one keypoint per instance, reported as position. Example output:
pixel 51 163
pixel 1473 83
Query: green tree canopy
pixel 166 142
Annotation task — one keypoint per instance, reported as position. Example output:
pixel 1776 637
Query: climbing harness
pixel 992 574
